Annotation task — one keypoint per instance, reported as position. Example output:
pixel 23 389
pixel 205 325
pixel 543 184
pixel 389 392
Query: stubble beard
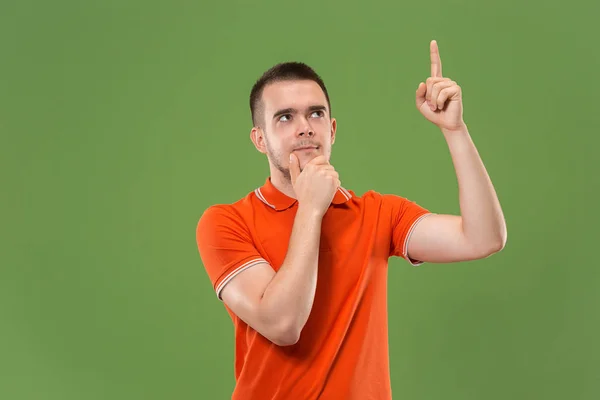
pixel 276 161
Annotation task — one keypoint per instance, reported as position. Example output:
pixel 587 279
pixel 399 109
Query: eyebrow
pixel 293 110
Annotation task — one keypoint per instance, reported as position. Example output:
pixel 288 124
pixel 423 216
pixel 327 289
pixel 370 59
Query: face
pixel 296 120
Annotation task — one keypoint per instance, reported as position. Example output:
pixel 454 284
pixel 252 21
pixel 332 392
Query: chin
pixel 306 159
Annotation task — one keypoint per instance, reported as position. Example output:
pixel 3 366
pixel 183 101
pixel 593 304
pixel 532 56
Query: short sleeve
pixel 225 246
pixel 404 216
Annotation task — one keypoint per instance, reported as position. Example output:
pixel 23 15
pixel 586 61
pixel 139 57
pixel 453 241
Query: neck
pixel 282 183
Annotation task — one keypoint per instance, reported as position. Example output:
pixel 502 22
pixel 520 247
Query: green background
pixel 121 121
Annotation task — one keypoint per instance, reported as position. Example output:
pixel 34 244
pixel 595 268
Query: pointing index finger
pixel 436 61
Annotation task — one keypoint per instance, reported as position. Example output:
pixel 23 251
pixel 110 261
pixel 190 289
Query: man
pixel 301 262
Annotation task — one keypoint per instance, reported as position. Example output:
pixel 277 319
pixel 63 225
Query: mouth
pixel 307 148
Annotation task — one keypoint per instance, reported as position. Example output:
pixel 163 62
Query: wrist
pixel 309 213
pixel 457 138
pixel 460 130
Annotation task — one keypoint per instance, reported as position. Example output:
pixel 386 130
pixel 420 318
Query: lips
pixel 306 148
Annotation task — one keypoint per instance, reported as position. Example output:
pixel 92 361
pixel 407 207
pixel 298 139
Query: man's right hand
pixel 316 185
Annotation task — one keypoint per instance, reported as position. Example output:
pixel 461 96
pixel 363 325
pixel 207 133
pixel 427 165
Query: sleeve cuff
pixel 412 261
pixel 236 271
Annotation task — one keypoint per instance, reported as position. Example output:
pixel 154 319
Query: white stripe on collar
pixel 262 198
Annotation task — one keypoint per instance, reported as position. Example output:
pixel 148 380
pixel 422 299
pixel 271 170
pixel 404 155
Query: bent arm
pixel 278 304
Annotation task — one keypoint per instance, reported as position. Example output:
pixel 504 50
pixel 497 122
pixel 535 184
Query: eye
pixel 319 113
pixel 286 116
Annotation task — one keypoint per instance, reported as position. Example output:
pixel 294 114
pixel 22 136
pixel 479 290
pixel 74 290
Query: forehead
pixel 292 94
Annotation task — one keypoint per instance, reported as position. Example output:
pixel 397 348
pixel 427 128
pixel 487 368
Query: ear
pixel 333 130
pixel 258 139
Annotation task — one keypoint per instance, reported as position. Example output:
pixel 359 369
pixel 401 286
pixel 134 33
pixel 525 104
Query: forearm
pixel 288 299
pixel 482 218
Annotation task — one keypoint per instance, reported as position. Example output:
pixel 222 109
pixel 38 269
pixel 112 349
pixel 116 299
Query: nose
pixel 306 130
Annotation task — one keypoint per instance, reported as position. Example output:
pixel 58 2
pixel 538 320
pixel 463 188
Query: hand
pixel 316 185
pixel 440 99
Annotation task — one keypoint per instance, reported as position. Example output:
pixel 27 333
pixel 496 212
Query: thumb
pixel 421 91
pixel 294 168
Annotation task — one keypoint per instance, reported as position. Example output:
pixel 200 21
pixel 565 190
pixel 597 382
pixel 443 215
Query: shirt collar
pixel 275 199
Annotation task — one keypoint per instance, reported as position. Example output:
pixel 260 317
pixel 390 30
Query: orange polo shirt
pixel 342 353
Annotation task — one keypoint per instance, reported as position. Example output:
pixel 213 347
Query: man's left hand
pixel 439 99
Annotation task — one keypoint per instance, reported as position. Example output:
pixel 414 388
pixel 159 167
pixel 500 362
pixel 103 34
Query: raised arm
pixel 480 230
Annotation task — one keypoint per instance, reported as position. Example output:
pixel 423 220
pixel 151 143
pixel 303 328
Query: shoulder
pixel 371 197
pixel 389 206
pixel 226 214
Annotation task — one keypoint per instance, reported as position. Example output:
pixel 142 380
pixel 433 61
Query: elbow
pixel 497 240
pixel 501 240
pixel 288 339
pixel 281 331
pixel 288 336
pixel 285 335
pixel 487 248
pixel 495 246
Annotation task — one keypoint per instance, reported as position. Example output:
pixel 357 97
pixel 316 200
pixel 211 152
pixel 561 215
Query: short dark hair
pixel 287 71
